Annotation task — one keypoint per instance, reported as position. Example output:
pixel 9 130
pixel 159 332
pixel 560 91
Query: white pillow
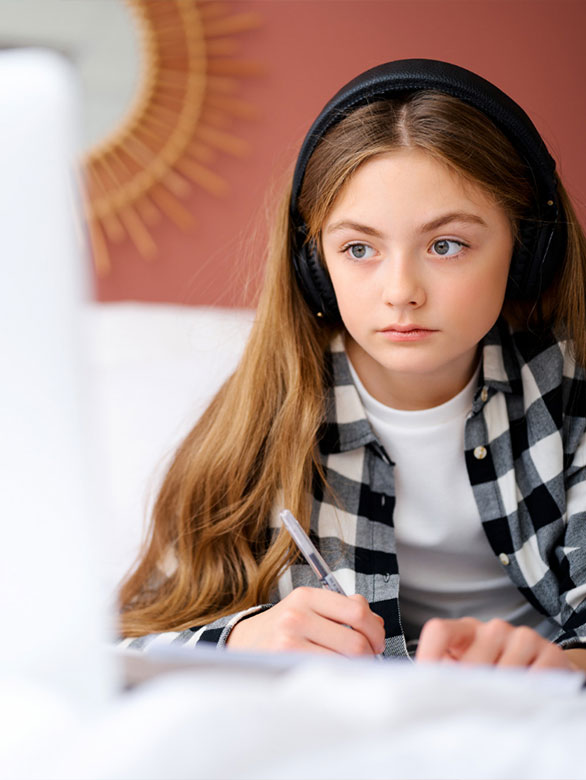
pixel 154 368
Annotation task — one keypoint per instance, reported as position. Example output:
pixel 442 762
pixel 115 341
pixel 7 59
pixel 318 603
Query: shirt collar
pixel 346 426
pixel 501 369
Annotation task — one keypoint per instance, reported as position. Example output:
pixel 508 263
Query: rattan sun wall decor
pixel 177 125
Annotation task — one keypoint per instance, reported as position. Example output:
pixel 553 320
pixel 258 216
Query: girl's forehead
pixel 410 175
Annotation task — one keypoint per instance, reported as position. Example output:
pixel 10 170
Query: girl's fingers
pixel 311 647
pixel 472 641
pixel 371 625
pixel 523 647
pixel 495 643
pixel 350 611
pixel 311 618
pixel 552 657
pixel 490 640
pixel 445 639
pixel 335 637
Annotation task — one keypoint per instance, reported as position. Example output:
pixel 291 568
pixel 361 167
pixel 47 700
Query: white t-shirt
pixel 447 568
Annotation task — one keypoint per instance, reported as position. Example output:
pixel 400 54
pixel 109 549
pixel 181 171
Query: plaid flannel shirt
pixel 525 451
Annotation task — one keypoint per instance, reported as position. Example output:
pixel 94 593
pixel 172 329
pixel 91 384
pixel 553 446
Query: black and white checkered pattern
pixel 525 448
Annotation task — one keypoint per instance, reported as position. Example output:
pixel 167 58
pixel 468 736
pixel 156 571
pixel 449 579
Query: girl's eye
pixel 447 247
pixel 359 251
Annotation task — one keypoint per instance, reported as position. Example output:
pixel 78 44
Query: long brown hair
pixel 255 445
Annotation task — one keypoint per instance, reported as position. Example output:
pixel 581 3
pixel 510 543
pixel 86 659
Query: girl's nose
pixel 402 285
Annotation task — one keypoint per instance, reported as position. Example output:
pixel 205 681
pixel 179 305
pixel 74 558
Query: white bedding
pixel 346 719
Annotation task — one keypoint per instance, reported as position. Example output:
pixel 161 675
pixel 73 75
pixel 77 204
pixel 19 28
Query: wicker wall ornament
pixel 178 123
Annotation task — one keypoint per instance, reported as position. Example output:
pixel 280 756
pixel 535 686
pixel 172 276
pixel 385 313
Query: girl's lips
pixel 408 333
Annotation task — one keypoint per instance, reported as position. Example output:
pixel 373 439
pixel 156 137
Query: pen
pixel 310 553
pixel 312 556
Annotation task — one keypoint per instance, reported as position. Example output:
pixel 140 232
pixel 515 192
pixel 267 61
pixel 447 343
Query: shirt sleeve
pixel 215 633
pixel 572 556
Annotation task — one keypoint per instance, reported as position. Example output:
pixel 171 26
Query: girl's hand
pixel 495 643
pixel 313 620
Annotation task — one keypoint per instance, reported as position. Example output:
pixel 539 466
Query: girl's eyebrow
pixel 346 224
pixel 454 216
pixel 434 224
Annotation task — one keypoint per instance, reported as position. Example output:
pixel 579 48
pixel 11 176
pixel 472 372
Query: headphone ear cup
pixel 315 282
pixel 539 251
pixel 522 259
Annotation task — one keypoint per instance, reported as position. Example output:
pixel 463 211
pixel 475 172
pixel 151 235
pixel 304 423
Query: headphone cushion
pixel 315 282
pixel 538 253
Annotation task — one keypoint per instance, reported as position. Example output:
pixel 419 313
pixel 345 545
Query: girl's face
pixel 419 260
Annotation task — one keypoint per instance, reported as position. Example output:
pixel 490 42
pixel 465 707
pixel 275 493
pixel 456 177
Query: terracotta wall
pixel 533 49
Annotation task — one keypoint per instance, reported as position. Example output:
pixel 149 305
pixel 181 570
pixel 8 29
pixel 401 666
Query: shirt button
pixel 480 453
pixel 504 559
pixel 387 577
pixel 484 394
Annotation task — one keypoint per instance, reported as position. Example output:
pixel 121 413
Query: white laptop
pixel 54 619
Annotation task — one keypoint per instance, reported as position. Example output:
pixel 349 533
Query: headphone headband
pixel 535 260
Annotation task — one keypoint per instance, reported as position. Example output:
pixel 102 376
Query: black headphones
pixel 542 242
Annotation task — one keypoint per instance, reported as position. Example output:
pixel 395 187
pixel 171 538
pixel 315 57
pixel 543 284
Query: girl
pixel 413 390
